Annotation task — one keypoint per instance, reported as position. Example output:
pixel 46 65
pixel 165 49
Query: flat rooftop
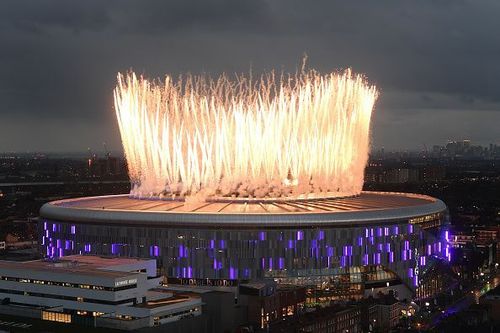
pixel 124 209
pixel 76 264
pixel 160 297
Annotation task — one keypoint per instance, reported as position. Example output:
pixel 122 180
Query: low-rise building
pixel 492 300
pixel 113 292
pixel 384 313
pixel 331 319
pixel 268 302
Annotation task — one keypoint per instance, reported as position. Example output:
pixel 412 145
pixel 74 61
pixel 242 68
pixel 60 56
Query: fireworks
pixel 277 136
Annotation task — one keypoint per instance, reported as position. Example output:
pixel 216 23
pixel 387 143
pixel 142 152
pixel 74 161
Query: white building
pixel 108 292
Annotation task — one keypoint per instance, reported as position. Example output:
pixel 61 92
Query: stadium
pixel 341 247
pixel 237 181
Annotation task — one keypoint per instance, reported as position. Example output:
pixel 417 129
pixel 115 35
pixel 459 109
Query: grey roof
pixel 368 207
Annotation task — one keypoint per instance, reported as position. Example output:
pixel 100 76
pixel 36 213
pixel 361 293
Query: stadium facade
pixel 340 247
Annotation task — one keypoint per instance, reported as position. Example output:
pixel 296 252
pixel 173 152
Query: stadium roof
pixel 368 207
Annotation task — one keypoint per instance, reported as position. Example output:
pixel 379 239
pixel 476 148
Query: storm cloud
pixel 436 63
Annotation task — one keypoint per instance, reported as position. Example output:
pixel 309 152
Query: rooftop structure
pixel 368 207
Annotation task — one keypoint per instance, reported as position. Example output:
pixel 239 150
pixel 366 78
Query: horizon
pixel 120 152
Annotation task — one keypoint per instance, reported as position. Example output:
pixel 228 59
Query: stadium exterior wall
pixel 351 251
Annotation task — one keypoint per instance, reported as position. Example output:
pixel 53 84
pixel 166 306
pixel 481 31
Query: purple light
pixel 156 251
pixel 73 229
pixel 447 235
pixel 388 247
pixel 300 235
pixel 422 261
pixel 181 251
pixel 212 243
pixel 380 247
pixel 54 227
pixel 371 232
pixel 404 254
pixel 391 257
pixel 330 251
pixel 262 235
pixel 232 273
pixel 429 249
pixel 44 225
pixel 360 241
pixel 407 245
pixel 263 263
pixel 290 244
pixel 396 230
pixel 190 272
pixel 439 247
pixel 366 233
pixel 386 231
pixel 222 244
pixel 379 232
pixel 321 235
pixel 410 272
pixel 365 259
pixel 410 228
pixel 281 263
pixel 270 263
pixel 215 264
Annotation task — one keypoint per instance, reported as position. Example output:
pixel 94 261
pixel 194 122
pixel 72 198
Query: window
pixel 56 316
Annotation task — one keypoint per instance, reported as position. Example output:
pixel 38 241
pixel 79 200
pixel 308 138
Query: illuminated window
pixel 56 316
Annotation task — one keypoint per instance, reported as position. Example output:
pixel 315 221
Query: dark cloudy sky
pixel 436 62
